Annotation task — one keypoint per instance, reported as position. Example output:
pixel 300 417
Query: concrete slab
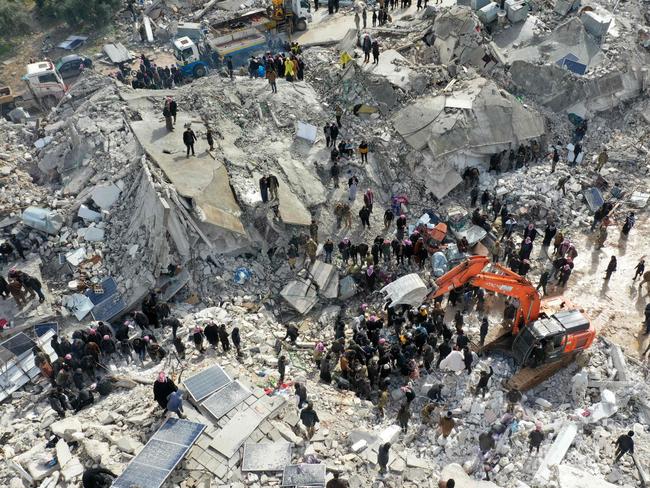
pixel 572 477
pixel 267 456
pixel 414 120
pixel 236 431
pixel 556 452
pixel 324 275
pixel 392 66
pixel 292 210
pixel 330 31
pixel 300 295
pixel 409 289
pixel 105 195
pixel 203 179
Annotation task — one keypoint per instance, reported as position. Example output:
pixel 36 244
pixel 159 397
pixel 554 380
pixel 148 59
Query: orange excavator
pixel 546 335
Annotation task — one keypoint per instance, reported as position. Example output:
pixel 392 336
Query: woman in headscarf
pixel 162 388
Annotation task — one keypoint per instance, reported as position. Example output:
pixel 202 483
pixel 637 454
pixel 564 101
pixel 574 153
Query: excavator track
pixel 527 378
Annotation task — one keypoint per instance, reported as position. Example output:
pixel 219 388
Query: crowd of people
pixel 149 75
pixel 81 367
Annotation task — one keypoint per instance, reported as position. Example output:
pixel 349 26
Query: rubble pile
pixel 19 174
pixel 600 405
pixel 103 190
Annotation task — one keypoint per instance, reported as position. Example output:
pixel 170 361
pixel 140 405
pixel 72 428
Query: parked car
pixel 71 65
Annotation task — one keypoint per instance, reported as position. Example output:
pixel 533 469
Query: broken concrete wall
pixel 139 220
pixel 560 90
pixel 455 34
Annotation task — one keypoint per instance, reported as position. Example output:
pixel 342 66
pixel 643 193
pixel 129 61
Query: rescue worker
pixel 309 419
pixel 624 444
pixel 535 438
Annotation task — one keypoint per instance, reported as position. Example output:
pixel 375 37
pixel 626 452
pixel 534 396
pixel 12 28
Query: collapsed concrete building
pixel 464 128
pixel 121 204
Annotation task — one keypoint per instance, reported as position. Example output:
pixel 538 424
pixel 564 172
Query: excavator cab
pixel 547 344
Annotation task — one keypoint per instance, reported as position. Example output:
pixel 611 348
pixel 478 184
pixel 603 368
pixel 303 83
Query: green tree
pixel 14 18
pixel 81 13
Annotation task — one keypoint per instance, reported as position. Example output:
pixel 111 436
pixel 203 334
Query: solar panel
pixel 18 344
pixel 106 288
pixel 179 431
pixel 109 308
pixel 41 329
pixel 161 454
pixel 267 456
pixel 205 383
pixel 154 463
pixel 225 399
pixel 304 475
pixel 142 476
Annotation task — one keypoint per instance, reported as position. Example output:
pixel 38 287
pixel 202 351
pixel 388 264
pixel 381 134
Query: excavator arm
pixel 508 283
pixel 459 275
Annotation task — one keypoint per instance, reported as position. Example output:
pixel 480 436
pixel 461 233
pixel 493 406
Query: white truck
pixel 45 84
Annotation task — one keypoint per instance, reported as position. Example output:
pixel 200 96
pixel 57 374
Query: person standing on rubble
pixel 602 160
pixel 364 16
pixel 264 189
pixel 375 52
pixel 272 76
pixel 535 438
pixel 611 267
pixel 561 184
pixel 446 424
pixel 485 199
pixel 374 19
pixel 273 184
pixel 357 20
pixel 483 331
pixel 313 230
pixel 334 133
pixel 383 457
pixel 363 151
pixel 223 338
pixel 282 368
pixel 624 444
pixel 353 183
pixel 629 223
pixel 189 138
pixel 473 194
pixel 328 134
pixel 639 269
pixel 334 173
pixel 197 337
pixel 543 281
pixel 328 247
pixel 366 45
pixel 514 397
pixel 309 419
pixel 482 385
pixel 311 247
pixel 403 416
pixel 339 113
pixel 168 117
pixel 209 138
pixel 173 108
